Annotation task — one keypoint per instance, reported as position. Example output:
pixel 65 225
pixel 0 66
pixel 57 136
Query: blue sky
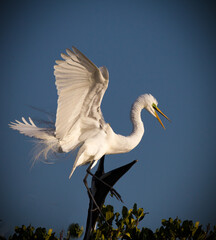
pixel 166 48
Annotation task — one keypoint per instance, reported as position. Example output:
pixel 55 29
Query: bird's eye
pixel 154 105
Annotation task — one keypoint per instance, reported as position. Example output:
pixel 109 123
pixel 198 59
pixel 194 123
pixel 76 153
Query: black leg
pixel 90 193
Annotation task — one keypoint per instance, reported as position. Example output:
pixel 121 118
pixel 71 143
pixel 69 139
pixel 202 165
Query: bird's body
pixel 79 120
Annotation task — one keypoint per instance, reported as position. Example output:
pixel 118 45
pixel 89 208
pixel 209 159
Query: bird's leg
pixel 90 193
pixel 112 190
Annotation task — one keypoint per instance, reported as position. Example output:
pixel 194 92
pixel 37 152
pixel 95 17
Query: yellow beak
pixel 158 110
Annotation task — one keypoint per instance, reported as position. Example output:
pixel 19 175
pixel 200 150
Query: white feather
pixel 79 121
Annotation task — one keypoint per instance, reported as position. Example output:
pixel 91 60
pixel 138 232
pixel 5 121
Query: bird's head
pixel 150 104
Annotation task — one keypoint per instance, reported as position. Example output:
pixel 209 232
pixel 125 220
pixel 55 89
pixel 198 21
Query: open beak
pixel 158 110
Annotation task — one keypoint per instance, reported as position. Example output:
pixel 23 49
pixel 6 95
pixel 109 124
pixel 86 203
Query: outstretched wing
pixel 80 86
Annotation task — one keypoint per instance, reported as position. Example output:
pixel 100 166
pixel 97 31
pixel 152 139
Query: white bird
pixel 79 121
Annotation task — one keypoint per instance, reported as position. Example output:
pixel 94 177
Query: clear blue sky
pixel 166 48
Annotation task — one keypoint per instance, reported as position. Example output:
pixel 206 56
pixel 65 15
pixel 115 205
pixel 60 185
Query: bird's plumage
pixel 80 86
pixel 79 121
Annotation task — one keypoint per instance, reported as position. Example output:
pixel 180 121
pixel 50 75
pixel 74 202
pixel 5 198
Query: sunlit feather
pixel 81 86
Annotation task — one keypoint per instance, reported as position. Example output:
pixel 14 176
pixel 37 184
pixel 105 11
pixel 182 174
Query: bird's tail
pixel 45 136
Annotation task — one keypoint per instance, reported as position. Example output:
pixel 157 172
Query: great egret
pixel 79 120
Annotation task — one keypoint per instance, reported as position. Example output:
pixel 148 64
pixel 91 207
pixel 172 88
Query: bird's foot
pixel 111 189
pixel 116 194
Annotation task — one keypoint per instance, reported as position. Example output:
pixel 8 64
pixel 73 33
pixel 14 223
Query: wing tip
pixel 74 48
pixel 69 52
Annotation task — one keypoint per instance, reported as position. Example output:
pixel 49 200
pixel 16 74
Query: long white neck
pixel 138 125
pixel 127 143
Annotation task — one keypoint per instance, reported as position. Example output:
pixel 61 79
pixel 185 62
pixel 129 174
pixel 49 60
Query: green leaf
pixel 128 235
pixel 75 231
pixel 109 215
pixel 124 212
pixel 141 217
pixel 140 212
pixel 163 221
pixel 135 209
pixel 49 232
